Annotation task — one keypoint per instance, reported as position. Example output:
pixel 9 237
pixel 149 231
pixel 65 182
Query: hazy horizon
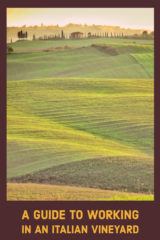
pixel 73 23
pixel 120 17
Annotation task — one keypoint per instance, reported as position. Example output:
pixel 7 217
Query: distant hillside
pixel 49 30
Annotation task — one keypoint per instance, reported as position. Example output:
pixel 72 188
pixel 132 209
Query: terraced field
pixel 81 116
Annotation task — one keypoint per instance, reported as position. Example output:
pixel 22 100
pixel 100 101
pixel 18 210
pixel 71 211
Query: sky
pixel 137 18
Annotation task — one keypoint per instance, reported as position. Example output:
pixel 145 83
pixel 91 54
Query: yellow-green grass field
pixel 80 117
pixel 33 192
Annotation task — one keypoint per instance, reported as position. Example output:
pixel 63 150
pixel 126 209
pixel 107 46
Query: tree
pixel 144 33
pixel 9 49
pixel 19 35
pixel 22 34
pixel 106 34
pixel 89 35
pixel 34 37
pixel 62 34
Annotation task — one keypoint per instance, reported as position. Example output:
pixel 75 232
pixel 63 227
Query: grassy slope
pixel 56 121
pixel 76 119
pixel 28 46
pixel 41 192
pixel 81 62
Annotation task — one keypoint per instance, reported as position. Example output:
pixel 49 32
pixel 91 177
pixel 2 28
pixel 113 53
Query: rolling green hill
pixel 81 115
pixel 40 45
pixel 105 61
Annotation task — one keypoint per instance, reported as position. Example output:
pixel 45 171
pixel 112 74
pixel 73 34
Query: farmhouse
pixel 76 35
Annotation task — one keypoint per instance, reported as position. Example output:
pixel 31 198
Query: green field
pixel 80 115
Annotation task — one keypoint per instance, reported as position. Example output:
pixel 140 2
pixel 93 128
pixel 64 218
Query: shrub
pixel 9 49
